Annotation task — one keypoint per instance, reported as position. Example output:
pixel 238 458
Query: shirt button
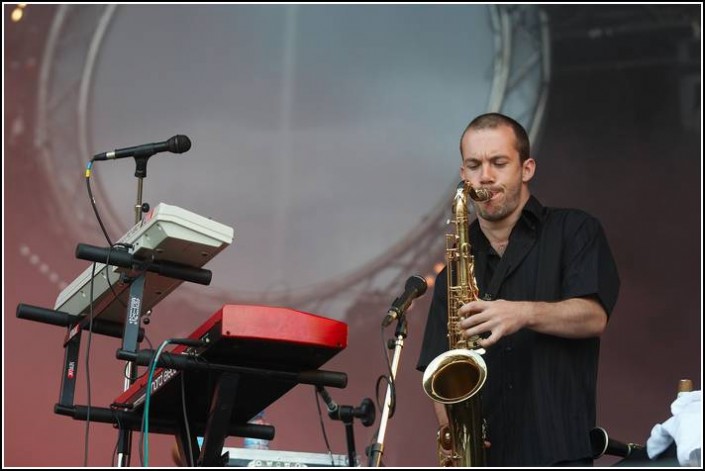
pixel 510 386
pixel 508 349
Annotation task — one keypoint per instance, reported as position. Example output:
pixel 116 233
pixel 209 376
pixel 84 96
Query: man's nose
pixel 486 174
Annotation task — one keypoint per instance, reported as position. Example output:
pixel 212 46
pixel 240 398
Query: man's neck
pixel 498 232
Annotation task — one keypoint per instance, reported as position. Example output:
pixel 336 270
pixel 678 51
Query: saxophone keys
pixel 445 440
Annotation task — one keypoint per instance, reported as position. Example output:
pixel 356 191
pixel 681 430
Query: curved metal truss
pixel 519 88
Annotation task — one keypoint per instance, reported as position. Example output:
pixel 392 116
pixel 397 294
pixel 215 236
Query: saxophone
pixel 455 377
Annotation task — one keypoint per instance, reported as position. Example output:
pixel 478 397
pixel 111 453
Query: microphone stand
pixel 378 448
pixel 346 414
pixel 125 435
pixel 141 174
pixel 138 204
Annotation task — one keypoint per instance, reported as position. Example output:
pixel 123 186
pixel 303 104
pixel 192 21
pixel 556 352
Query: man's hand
pixel 498 318
pixel 571 318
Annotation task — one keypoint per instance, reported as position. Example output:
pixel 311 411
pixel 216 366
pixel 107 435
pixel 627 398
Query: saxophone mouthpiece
pixel 480 194
pixel 477 194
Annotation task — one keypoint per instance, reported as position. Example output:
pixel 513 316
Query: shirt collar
pixel 533 212
pixel 531 216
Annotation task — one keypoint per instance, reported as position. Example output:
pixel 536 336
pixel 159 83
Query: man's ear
pixel 527 170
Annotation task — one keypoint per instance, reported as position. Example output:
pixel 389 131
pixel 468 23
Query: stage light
pixel 17 14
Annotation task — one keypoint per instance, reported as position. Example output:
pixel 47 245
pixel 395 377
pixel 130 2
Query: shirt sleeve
pixel 589 267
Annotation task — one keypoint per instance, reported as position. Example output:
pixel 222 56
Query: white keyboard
pixel 168 233
pixel 253 458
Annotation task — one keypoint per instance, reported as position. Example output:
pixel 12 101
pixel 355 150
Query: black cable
pixel 88 172
pixel 113 459
pixel 389 379
pixel 149 342
pixel 104 230
pixel 139 376
pixel 323 427
pixel 107 276
pixel 89 168
pixel 124 372
pixel 188 429
pixel 88 369
pixel 90 312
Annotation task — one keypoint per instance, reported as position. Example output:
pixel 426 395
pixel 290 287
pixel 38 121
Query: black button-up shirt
pixel 540 396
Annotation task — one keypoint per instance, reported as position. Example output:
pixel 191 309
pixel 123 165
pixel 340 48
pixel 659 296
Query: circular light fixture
pixel 325 135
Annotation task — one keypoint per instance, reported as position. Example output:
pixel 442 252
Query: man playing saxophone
pixel 547 284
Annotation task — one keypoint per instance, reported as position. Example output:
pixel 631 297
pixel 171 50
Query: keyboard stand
pixel 222 404
pixel 223 401
pixel 132 333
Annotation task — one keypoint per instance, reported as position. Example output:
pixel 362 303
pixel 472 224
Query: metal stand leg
pixel 377 449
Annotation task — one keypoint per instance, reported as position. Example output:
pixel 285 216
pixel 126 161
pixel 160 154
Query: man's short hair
pixel 495 120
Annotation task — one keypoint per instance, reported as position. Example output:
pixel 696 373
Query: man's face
pixel 491 161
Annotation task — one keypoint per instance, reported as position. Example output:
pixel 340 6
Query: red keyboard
pixel 245 336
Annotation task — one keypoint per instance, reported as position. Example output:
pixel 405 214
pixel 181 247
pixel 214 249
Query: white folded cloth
pixel 684 427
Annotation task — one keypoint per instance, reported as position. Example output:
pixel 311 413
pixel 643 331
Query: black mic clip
pixel 392 314
pixel 346 414
pixel 330 403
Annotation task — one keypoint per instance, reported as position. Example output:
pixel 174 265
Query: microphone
pixel 415 287
pixel 177 145
pixel 330 403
